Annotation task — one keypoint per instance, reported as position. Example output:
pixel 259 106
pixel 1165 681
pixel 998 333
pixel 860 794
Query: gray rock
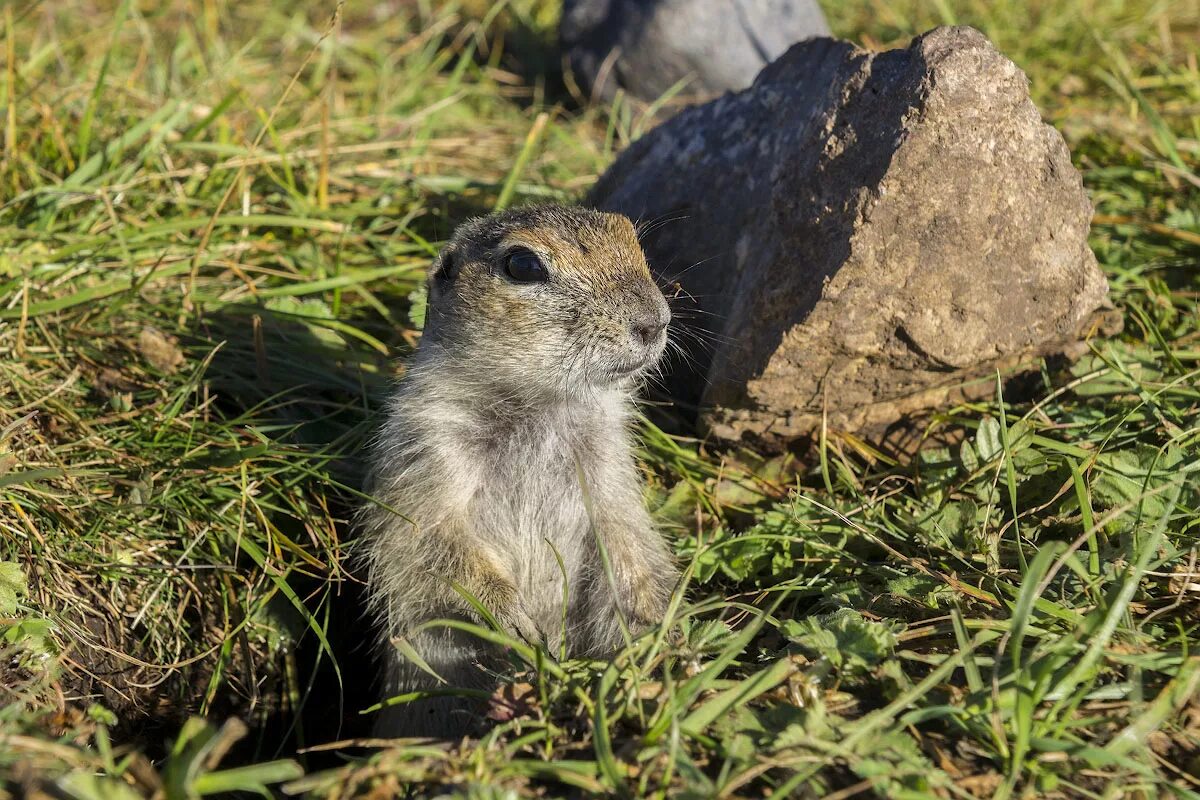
pixel 862 235
pixel 647 46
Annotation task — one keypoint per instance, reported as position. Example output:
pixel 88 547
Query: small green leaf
pixel 853 644
pixel 100 714
pixel 967 457
pixel 988 440
pixel 12 586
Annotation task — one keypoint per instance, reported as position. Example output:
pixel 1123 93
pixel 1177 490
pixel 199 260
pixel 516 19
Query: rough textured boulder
pixel 863 235
pixel 646 46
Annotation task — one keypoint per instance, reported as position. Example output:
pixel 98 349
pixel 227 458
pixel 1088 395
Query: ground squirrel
pixel 507 448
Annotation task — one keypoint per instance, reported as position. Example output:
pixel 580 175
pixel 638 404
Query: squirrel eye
pixel 524 266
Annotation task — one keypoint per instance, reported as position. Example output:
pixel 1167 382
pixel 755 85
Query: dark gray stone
pixel 862 235
pixel 647 46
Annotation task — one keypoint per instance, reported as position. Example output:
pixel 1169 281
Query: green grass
pixel 212 217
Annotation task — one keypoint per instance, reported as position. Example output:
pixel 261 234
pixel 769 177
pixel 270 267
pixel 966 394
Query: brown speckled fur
pixel 508 440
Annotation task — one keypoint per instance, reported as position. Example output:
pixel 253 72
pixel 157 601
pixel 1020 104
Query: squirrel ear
pixel 445 268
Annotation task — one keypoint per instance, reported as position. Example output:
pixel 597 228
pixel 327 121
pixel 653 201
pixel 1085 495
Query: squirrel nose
pixel 648 330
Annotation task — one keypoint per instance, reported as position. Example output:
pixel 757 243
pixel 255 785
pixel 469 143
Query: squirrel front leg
pixel 417 571
pixel 467 562
pixel 635 586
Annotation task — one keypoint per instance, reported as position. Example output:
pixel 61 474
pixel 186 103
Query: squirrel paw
pixel 500 595
pixel 517 623
pixel 646 608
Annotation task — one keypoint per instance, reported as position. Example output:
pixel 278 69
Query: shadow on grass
pixel 307 390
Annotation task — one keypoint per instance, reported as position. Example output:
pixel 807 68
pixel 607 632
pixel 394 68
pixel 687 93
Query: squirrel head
pixel 547 299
